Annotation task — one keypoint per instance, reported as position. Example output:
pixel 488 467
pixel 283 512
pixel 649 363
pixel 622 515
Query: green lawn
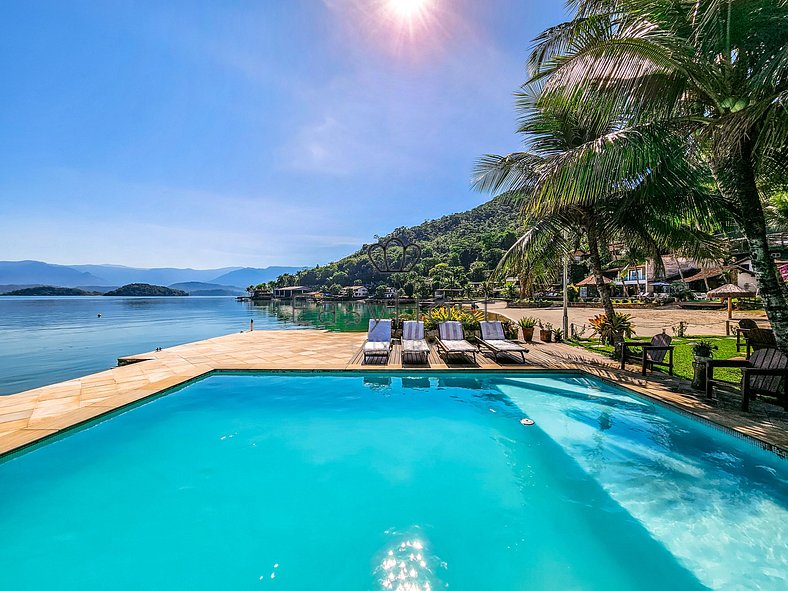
pixel 682 360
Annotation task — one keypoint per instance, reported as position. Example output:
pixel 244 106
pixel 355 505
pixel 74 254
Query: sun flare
pixel 408 9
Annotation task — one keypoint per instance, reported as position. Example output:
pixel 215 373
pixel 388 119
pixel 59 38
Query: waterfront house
pixel 291 292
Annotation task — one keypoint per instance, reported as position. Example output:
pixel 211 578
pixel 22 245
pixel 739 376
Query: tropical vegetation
pixel 673 112
pixel 710 74
pixel 455 250
pixel 667 206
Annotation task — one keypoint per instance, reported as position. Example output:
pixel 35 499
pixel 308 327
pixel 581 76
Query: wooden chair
pixel 760 338
pixel 744 328
pixel 650 354
pixel 765 372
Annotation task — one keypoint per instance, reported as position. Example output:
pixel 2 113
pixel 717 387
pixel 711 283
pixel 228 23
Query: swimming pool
pixel 394 481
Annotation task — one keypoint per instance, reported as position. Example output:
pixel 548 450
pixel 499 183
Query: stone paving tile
pixel 29 416
pixel 22 437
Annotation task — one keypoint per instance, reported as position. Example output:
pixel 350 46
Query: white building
pixel 355 291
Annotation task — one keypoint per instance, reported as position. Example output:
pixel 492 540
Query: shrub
pixel 469 319
pixel 509 329
pixel 620 324
pixel 703 348
pixel 527 322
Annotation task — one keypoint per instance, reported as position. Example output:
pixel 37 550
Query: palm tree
pixel 664 206
pixel 714 71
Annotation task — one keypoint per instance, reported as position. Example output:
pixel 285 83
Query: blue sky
pixel 256 133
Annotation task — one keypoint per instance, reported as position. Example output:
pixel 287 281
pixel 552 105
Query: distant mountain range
pixel 22 274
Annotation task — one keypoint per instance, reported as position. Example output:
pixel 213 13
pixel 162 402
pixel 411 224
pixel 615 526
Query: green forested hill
pixel 50 290
pixel 455 249
pixel 145 289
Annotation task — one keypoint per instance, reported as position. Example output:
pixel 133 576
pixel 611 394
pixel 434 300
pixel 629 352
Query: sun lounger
pixel 452 340
pixel 413 342
pixel 494 339
pixel 378 339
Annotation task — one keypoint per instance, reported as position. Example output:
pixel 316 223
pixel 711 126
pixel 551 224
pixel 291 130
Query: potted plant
pixel 546 332
pixel 703 350
pixel 509 329
pixel 527 324
pixel 558 335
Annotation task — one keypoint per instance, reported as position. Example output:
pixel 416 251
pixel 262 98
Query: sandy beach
pixel 647 322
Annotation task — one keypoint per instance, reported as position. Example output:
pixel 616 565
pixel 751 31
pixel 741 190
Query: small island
pixel 145 289
pixel 50 290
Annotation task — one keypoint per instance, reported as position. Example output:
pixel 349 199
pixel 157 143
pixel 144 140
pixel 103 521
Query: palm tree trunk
pixel 603 288
pixel 736 179
pixel 592 232
pixel 523 280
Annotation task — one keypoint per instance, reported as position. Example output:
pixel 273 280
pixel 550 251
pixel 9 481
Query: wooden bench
pixel 765 372
pixel 651 354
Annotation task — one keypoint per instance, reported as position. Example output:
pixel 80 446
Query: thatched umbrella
pixel 728 292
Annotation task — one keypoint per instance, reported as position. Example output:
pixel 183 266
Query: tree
pixel 510 291
pixel 477 271
pixel 648 209
pixel 341 278
pixel 446 276
pixel 715 73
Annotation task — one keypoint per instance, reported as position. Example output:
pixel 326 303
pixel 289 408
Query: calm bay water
pixel 47 340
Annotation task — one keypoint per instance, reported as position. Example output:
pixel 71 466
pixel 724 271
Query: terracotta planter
pixel 546 335
pixel 528 334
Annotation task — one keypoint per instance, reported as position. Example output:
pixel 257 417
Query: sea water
pixel 44 340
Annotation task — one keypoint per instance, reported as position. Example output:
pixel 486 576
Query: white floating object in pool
pixel 526 422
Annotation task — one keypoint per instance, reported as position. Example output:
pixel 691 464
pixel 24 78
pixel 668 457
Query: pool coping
pixel 161 373
pixel 110 413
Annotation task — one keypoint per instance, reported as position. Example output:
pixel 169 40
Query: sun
pixel 408 9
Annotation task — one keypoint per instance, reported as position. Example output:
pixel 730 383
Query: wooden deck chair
pixel 650 354
pixel 765 372
pixel 760 338
pixel 413 342
pixel 494 339
pixel 452 341
pixel 378 339
pixel 744 328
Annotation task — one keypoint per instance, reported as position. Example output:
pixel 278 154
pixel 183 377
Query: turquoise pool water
pixel 412 482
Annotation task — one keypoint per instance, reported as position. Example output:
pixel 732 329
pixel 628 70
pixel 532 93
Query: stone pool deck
pixel 30 416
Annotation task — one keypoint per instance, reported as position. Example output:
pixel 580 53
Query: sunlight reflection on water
pixel 409 566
